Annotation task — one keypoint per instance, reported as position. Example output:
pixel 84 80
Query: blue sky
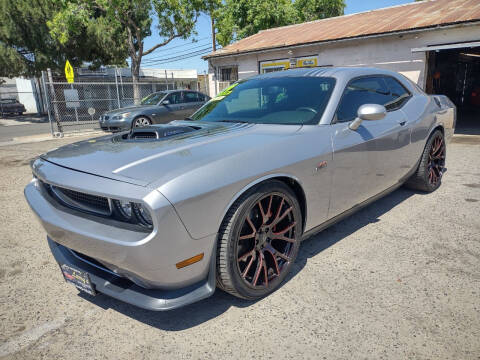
pixel 178 47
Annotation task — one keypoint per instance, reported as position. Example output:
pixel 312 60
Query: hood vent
pixel 157 132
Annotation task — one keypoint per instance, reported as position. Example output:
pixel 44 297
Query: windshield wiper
pixel 188 118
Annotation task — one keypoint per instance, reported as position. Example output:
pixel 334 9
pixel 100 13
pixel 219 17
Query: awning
pixel 447 46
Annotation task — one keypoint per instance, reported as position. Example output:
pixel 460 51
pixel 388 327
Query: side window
pixel 175 98
pixel 191 97
pixel 201 97
pixel 399 95
pixel 366 90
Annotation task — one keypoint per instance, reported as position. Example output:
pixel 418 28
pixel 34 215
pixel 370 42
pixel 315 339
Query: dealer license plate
pixel 78 278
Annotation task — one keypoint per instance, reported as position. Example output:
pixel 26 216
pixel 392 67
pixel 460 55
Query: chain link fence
pixel 77 106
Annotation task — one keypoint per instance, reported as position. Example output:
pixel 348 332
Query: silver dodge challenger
pixel 162 215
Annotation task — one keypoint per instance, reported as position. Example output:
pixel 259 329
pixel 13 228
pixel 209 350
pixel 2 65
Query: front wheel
pixel 259 241
pixel 141 121
pixel 428 176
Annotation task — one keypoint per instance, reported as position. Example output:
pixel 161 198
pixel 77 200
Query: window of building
pixel 229 73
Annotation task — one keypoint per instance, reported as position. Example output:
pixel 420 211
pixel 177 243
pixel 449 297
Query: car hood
pixel 129 109
pixel 145 161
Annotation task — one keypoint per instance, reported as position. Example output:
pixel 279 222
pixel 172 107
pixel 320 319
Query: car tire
pixel 253 257
pixel 141 121
pixel 428 175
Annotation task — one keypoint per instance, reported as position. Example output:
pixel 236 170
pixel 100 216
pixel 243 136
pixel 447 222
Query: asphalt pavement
pixel 398 280
pixel 12 127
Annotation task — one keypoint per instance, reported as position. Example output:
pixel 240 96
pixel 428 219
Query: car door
pixel 367 160
pixel 193 101
pixel 172 110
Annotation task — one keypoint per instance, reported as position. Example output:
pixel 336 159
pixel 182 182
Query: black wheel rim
pixel 436 161
pixel 266 240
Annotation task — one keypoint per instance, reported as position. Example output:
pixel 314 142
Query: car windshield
pixel 276 100
pixel 8 101
pixel 153 99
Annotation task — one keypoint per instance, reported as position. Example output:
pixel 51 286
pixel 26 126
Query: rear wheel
pixel 259 241
pixel 141 121
pixel 428 176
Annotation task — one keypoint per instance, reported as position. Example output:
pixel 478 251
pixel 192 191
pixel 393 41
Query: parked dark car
pixel 11 106
pixel 157 108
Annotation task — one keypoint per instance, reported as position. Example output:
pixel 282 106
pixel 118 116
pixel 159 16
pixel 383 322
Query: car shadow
pixel 205 310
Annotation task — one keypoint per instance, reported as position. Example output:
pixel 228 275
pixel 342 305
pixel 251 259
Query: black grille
pixel 81 201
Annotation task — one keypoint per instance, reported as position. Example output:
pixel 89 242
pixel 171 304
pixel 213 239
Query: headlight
pixel 121 116
pixel 133 212
pixel 143 214
pixel 124 208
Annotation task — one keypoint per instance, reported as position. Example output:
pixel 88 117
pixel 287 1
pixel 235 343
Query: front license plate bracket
pixel 80 279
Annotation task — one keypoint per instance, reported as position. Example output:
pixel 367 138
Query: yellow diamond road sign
pixel 69 72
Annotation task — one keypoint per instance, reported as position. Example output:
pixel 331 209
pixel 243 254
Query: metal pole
pixel 116 85
pixel 173 82
pixel 75 108
pixel 166 79
pixel 206 77
pixel 214 45
pixel 55 107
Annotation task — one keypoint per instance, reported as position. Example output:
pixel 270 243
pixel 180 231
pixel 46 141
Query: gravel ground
pixel 399 279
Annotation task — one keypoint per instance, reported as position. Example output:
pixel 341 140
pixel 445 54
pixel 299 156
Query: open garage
pixel 454 70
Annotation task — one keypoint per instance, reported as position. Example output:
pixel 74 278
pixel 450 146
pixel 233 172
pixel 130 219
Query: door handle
pixel 403 122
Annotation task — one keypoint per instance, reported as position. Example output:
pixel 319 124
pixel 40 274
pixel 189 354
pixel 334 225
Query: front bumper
pixel 122 289
pixel 116 125
pixel 147 258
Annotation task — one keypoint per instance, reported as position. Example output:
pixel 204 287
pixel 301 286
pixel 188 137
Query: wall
pixel 392 52
pixel 26 95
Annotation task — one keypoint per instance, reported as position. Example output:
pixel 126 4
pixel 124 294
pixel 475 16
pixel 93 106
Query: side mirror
pixel 165 102
pixel 369 112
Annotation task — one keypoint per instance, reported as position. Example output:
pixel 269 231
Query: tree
pixel 175 18
pixel 309 10
pixel 238 19
pixel 27 46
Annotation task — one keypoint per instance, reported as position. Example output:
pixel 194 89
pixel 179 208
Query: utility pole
pixel 213 33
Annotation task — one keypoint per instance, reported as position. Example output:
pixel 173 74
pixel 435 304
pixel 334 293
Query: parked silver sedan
pixel 161 216
pixel 157 108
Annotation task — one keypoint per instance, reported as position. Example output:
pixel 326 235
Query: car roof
pixel 172 91
pixel 335 72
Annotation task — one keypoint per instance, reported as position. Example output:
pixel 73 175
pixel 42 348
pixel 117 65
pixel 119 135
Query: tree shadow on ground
pixel 205 310
pixel 26 118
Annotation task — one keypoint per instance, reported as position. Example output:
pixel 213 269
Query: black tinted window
pixel 191 97
pixel 175 98
pixel 399 95
pixel 367 90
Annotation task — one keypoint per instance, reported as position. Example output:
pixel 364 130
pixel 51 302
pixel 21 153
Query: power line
pixel 180 56
pixel 186 51
pixel 160 49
